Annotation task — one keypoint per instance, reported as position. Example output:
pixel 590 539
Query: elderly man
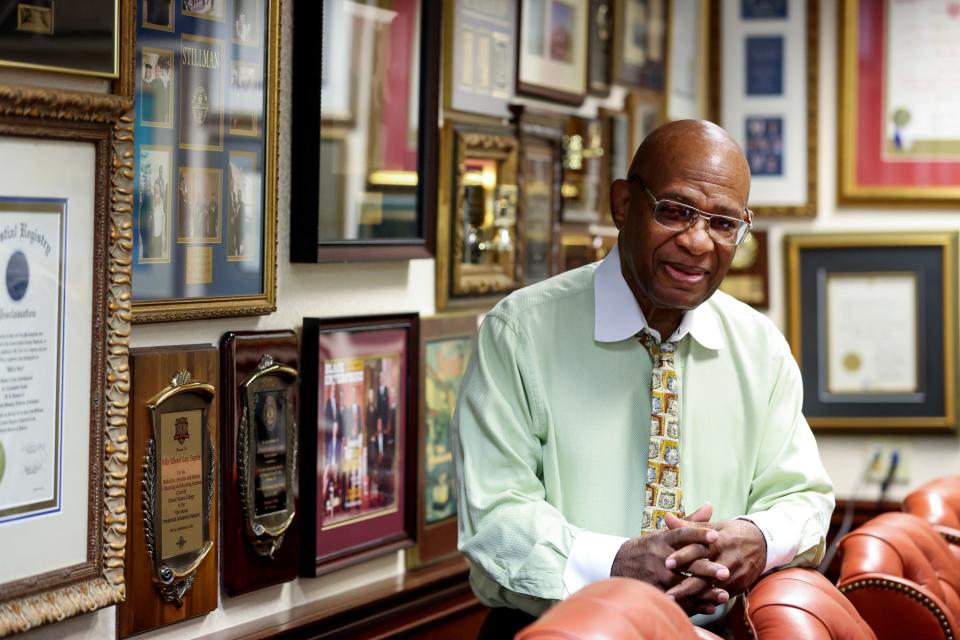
pixel 604 402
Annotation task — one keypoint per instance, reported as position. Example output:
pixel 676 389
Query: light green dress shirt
pixel 553 420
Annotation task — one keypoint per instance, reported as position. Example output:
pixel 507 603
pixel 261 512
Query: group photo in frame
pixel 872 322
pixel 765 58
pixel 359 400
pixel 205 159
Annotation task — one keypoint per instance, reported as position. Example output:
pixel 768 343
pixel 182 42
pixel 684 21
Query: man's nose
pixel 696 239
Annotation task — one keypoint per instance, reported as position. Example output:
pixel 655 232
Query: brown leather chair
pixel 797 603
pixel 615 609
pixel 938 502
pixel 901 577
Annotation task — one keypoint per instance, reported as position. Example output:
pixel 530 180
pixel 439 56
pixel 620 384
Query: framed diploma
pixel 372 81
pixel 686 79
pixel 873 324
pixel 205 159
pixel 640 43
pixel 552 50
pixel 748 279
pixel 64 327
pixel 479 237
pixel 766 60
pixel 898 145
pixel 359 454
pixel 259 432
pixel 446 344
pixel 171 569
pixel 480 43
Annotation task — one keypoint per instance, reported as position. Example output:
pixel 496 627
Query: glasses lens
pixel 673 215
pixel 678 217
pixel 724 230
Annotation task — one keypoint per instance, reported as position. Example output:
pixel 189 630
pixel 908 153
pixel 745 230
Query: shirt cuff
pixel 591 559
pixel 783 539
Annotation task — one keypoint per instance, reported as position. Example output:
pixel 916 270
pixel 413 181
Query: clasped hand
pixel 698 563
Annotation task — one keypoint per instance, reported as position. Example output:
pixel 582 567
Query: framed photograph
pixel 481 45
pixel 359 454
pixel 599 48
pixel 446 345
pixel 375 85
pixel 552 50
pixel 688 48
pixel 640 43
pixel 748 279
pixel 205 159
pixel 898 143
pixel 872 323
pixel 478 236
pixel 65 252
pixel 766 61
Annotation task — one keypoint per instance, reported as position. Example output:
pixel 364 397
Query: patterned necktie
pixel 663 464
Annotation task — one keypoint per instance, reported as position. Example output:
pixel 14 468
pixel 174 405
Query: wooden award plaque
pixel 260 519
pixel 171 561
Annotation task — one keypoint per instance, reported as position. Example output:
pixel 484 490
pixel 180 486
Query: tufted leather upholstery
pixel 938 502
pixel 797 603
pixel 615 609
pixel 902 578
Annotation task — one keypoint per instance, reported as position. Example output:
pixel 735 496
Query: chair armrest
pixel 896 607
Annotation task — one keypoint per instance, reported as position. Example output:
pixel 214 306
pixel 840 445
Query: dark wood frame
pixel 312 564
pixel 436 541
pixel 544 91
pixel 305 244
pixel 99 120
pixel 599 86
pixel 649 76
pixel 607 176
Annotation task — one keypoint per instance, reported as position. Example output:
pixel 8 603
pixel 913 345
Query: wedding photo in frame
pixel 358 445
pixel 372 81
pixel 205 195
pixel 872 322
pixel 765 57
pixel 895 147
pixel 552 50
pixel 64 245
pixel 446 345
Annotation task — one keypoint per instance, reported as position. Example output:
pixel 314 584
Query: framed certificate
pixel 552 50
pixel 359 381
pixel 766 60
pixel 64 327
pixel 899 140
pixel 205 159
pixel 872 324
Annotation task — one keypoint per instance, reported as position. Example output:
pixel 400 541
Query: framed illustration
pixel 872 322
pixel 688 47
pixel 478 236
pixel 480 43
pixel 766 97
pixel 65 253
pixel 205 159
pixel 552 50
pixel 748 279
pixel 599 48
pixel 359 454
pixel 640 43
pixel 446 345
pixel 372 81
pixel 898 138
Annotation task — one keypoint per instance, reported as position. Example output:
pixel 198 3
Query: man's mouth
pixel 684 273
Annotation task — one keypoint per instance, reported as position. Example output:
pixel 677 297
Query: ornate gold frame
pixel 179 309
pixel 106 121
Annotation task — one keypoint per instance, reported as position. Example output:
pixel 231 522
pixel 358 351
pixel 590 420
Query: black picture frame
pixel 305 242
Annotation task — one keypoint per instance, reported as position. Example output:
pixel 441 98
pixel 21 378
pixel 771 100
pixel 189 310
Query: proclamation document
pixel 871 328
pixel 32 259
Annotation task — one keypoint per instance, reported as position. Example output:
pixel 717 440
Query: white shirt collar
pixel 618 315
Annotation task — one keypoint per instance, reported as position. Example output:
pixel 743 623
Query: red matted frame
pixel 336 533
pixel 866 176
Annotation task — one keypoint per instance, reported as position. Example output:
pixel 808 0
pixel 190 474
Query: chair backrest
pixel 937 502
pixel 798 603
pixel 614 608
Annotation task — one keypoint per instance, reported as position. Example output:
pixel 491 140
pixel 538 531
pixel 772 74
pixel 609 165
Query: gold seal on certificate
pixel 267 454
pixel 178 484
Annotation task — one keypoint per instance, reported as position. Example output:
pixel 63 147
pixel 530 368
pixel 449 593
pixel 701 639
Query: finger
pixel 673 522
pixel 686 555
pixel 693 605
pixel 685 535
pixel 707 569
pixel 688 587
pixel 703 514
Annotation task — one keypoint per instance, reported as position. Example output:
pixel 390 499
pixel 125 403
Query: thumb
pixel 703 514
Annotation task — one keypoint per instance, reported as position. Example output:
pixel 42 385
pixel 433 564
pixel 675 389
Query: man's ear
pixel 619 202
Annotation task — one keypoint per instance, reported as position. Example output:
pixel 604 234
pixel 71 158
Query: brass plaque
pixel 181 483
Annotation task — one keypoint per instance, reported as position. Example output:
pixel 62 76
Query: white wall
pixel 360 289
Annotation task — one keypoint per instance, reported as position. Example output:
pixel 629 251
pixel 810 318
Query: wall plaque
pixel 259 433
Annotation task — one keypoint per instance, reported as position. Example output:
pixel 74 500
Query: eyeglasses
pixel 677 216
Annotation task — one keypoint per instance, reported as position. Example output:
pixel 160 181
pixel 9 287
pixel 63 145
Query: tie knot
pixel 662 349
